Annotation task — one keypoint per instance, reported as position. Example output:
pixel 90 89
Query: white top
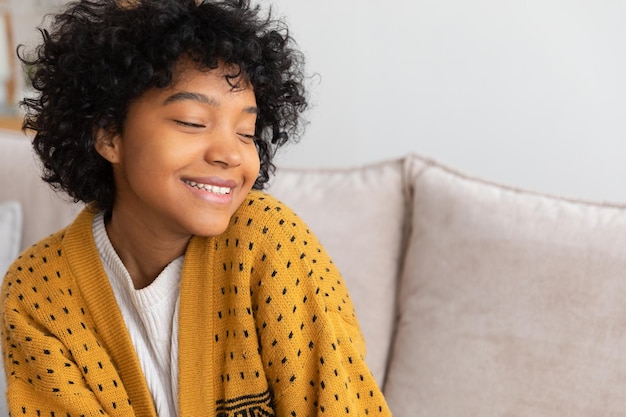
pixel 151 316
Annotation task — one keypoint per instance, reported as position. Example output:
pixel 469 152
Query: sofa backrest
pixel 43 211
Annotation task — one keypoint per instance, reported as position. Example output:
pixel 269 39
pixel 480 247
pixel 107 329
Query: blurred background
pixel 19 20
pixel 526 93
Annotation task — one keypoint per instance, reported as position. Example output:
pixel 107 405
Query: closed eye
pixel 250 137
pixel 188 124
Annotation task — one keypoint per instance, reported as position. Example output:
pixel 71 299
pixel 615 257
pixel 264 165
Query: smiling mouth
pixel 210 188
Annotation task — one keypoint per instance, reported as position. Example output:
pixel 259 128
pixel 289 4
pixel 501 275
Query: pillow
pixel 10 233
pixel 511 303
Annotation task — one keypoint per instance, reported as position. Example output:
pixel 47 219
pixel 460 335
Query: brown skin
pixel 198 129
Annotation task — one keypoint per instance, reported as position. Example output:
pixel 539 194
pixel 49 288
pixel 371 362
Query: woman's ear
pixel 107 145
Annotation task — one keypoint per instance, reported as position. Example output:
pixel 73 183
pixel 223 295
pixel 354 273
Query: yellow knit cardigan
pixel 266 327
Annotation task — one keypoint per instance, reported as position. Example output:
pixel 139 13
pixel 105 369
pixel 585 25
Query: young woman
pixel 181 289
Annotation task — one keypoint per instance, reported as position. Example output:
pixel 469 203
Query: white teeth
pixel 210 188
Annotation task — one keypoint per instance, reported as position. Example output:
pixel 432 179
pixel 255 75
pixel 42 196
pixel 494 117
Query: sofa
pixel 475 298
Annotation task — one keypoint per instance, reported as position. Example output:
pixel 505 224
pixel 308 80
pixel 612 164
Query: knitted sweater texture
pixel 266 327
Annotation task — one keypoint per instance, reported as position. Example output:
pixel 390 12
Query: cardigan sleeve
pixel 311 345
pixel 332 377
pixel 53 362
pixel 42 378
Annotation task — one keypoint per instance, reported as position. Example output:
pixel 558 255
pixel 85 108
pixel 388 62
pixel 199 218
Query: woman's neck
pixel 142 250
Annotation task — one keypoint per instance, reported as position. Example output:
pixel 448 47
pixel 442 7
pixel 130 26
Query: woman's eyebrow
pixel 188 95
pixel 202 98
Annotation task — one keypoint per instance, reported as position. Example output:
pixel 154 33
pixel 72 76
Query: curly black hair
pixel 97 56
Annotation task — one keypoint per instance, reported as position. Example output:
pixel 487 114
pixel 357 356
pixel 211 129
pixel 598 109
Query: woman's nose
pixel 223 148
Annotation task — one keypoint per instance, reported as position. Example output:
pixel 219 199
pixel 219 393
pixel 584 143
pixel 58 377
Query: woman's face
pixel 186 158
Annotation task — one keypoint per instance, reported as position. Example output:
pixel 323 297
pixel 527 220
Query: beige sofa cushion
pixel 44 212
pixel 511 303
pixel 358 214
pixel 10 233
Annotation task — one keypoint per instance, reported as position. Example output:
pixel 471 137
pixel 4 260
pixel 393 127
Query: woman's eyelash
pixel 188 124
pixel 249 136
pixel 196 125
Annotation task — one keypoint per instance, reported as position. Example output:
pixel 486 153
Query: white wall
pixel 530 93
